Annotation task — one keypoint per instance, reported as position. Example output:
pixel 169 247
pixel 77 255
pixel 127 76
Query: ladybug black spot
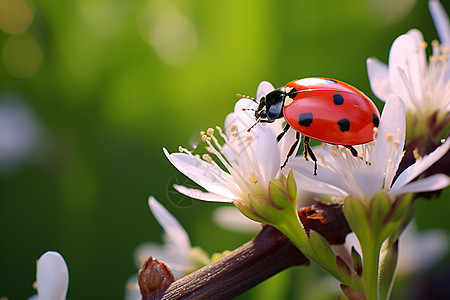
pixel 338 99
pixel 344 125
pixel 305 119
pixel 376 120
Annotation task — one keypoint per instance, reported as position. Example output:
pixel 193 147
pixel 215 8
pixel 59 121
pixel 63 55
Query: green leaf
pixel 279 194
pixel 388 263
pixel 356 214
pixel 379 208
pixel 292 189
pixel 356 261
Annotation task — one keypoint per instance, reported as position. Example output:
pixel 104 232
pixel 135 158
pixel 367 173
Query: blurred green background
pixel 107 84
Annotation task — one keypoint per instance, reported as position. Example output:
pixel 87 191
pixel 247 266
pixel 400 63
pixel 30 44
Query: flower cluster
pixel 374 187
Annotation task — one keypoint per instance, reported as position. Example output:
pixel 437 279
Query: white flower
pixel 249 160
pixel 22 135
pixel 176 252
pixel 52 277
pixel 340 174
pixel 423 86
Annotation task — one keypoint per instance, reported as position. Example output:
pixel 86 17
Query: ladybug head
pixel 271 105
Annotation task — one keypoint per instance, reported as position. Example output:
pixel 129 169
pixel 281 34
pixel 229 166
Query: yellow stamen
pixel 207 157
pixel 180 149
pixel 210 131
pixel 206 138
pixel 253 177
pixel 389 137
pixel 416 154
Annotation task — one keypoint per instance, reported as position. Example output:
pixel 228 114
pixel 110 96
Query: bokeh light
pixel 21 55
pixel 15 15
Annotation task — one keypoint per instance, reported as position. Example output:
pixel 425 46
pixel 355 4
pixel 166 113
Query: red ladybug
pixel 323 109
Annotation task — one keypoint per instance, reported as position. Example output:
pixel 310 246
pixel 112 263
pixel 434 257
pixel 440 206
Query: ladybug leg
pixel 308 151
pixel 285 129
pixel 352 150
pixel 355 153
pixel 291 151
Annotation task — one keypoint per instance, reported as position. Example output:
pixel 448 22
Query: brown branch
pixel 267 254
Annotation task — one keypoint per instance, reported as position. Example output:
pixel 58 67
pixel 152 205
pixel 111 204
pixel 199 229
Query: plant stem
pixel 371 256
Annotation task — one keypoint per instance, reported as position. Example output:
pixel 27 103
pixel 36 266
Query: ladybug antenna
pixel 257 121
pixel 246 97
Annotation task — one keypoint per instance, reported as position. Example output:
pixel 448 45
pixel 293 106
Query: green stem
pixel 371 256
pixel 294 231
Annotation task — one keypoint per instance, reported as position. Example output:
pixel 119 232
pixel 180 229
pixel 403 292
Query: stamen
pixel 180 149
pixel 248 139
pixel 416 154
pixel 205 138
pixel 202 133
pixel 222 134
pixel 253 177
pixel 210 131
pixel 207 157
pixel 389 137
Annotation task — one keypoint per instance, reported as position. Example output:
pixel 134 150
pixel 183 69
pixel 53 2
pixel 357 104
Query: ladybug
pixel 323 109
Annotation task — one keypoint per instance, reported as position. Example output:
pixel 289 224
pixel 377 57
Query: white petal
pixel 267 154
pixel 441 21
pixel 432 183
pixel 369 182
pixel 243 116
pixel 210 177
pixel 421 250
pixel 263 89
pixel 132 291
pixel 173 229
pixel 197 194
pixel 230 218
pixel 325 182
pixel 178 262
pixel 52 276
pixel 379 78
pixel 407 61
pixel 421 165
pixel 393 118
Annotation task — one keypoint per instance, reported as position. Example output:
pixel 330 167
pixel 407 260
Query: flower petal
pixel 421 165
pixel 441 21
pixel 243 117
pixel 263 89
pixel 407 63
pixel 325 182
pixel 393 120
pixel 432 183
pixel 178 262
pixel 210 177
pixel 175 233
pixel 379 78
pixel 267 154
pixel 52 276
pixel 200 195
pixel 230 218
